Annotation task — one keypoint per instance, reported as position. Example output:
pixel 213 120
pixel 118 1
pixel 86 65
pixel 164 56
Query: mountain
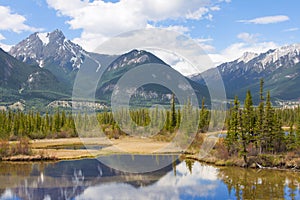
pixel 280 69
pixel 19 81
pixel 154 92
pixel 51 51
pixel 63 59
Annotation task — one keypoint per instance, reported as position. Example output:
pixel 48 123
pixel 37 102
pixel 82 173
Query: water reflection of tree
pixel 260 184
pixel 189 165
pixel 17 172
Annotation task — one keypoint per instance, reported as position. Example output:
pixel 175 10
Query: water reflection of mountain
pixel 66 179
pixel 90 179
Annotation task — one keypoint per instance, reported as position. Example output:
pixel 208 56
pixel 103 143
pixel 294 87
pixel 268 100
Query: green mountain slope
pixel 29 83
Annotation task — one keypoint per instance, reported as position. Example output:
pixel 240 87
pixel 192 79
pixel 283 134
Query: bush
pixel 4 148
pixel 270 160
pixel 21 148
pixel 221 150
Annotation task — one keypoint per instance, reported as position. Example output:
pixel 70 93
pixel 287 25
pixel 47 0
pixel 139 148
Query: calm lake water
pixel 91 179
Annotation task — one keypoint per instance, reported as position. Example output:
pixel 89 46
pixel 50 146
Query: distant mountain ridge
pixel 279 67
pixel 62 60
pixel 50 62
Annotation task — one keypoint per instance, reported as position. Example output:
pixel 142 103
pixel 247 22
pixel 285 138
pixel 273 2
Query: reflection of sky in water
pixel 203 182
pixel 91 180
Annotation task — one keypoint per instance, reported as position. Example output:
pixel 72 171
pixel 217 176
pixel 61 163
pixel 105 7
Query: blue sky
pixel 225 29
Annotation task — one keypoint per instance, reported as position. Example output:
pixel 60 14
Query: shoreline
pixel 72 149
pixel 238 162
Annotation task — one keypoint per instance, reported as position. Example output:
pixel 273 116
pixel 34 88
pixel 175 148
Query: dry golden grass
pixel 47 148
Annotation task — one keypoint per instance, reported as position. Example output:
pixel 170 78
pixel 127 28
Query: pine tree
pixel 246 133
pixel 268 126
pixel 279 136
pixel 168 122
pixel 233 127
pixel 297 132
pixel 203 121
pixel 173 113
pixel 178 122
pixel 260 118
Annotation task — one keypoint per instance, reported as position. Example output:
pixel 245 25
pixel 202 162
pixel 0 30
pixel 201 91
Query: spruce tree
pixel 246 133
pixel 260 118
pixel 268 126
pixel 233 127
pixel 297 132
pixel 173 113
pixel 203 121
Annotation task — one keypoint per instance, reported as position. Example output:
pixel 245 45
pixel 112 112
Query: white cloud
pixel 5 47
pixel 249 43
pixel 215 8
pixel 198 14
pixel 291 29
pixel 183 65
pixel 236 50
pixel 2 37
pixel 179 29
pixel 89 41
pixel 177 63
pixel 202 184
pixel 247 37
pixel 182 53
pixel 100 20
pixel 204 44
pixel 13 22
pixel 266 20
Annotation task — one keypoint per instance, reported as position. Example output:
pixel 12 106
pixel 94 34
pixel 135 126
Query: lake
pixel 91 179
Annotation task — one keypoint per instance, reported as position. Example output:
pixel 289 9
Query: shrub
pixel 21 148
pixel 4 148
pixel 221 150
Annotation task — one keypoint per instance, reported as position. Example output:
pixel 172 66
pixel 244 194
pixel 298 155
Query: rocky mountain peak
pixel 47 49
pixel 134 57
pixel 247 56
pixel 279 67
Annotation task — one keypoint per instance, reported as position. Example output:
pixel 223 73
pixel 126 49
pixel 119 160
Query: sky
pixel 224 29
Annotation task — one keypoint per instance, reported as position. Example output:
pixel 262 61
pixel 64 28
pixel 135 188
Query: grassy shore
pixel 73 148
pixel 262 161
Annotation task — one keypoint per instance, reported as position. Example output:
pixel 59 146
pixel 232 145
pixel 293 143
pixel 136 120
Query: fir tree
pixel 268 126
pixel 233 127
pixel 260 117
pixel 173 112
pixel 246 133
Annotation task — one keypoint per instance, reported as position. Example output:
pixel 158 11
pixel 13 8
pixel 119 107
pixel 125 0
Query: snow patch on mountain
pixel 44 37
pixel 271 60
pixel 291 51
pixel 247 56
pixel 44 49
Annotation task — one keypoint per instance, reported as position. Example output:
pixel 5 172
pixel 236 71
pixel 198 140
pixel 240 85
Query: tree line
pixel 250 129
pixel 61 124
pixel 255 130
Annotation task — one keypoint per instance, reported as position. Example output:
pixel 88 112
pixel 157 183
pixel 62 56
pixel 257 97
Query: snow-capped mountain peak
pixel 45 49
pixel 286 56
pixel 247 56
pixel 44 37
pixel 291 52
pixel 278 67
